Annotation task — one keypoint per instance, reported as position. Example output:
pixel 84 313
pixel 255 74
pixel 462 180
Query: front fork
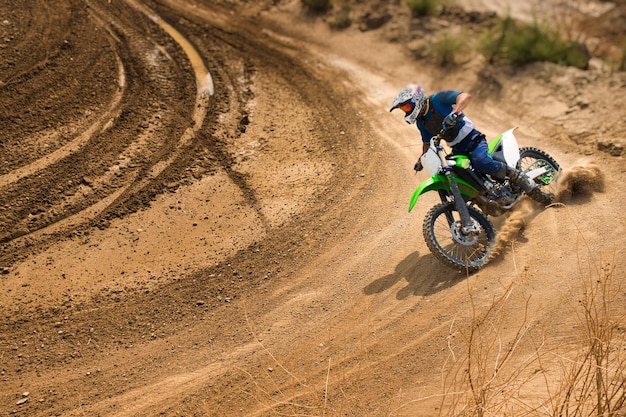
pixel 467 225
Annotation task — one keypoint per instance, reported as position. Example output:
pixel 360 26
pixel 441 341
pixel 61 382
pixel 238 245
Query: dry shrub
pixel 593 382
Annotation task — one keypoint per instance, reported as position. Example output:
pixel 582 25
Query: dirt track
pixel 204 213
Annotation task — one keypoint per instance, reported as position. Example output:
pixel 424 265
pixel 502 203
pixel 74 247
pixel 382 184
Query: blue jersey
pixel 440 105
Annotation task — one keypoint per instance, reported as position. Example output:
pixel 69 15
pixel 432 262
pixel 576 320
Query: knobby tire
pixel 443 246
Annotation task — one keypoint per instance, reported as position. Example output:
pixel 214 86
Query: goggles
pixel 407 107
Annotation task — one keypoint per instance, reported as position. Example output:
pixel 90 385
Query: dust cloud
pixel 573 185
pixel 581 180
pixel 524 212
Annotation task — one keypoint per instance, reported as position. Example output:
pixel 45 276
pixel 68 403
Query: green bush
pixel 446 48
pixel 525 43
pixel 317 5
pixel 423 7
pixel 492 43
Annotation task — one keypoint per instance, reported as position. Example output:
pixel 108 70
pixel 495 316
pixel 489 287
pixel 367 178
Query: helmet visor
pixel 407 107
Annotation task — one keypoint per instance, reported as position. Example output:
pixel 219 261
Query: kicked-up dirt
pixel 204 213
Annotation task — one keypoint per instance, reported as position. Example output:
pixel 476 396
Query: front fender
pixel 440 182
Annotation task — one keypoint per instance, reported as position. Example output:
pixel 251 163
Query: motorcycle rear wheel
pixel 443 236
pixel 532 158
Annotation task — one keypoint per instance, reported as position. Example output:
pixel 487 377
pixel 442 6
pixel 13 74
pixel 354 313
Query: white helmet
pixel 411 99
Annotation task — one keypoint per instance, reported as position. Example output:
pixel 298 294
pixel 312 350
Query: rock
pixel 24 398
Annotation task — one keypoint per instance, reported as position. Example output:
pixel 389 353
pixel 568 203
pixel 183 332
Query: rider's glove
pixel 418 166
pixel 451 120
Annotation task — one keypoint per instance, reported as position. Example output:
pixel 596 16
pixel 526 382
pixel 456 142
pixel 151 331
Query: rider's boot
pixel 527 185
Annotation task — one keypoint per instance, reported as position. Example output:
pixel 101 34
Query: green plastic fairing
pixel 461 161
pixel 494 142
pixel 440 182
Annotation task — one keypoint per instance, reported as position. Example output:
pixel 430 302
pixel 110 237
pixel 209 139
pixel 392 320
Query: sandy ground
pixel 204 213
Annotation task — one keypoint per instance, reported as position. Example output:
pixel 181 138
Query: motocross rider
pixel 445 109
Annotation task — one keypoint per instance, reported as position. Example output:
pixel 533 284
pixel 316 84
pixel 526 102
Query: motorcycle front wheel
pixel 447 241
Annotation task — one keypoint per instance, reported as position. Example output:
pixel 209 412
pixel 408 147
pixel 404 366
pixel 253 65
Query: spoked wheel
pixel 532 159
pixel 446 240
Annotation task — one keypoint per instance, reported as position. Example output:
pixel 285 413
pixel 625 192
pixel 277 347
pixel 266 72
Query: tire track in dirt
pixel 75 144
pixel 217 142
pixel 82 188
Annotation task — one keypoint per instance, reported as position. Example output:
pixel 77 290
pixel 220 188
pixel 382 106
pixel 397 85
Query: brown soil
pixel 204 213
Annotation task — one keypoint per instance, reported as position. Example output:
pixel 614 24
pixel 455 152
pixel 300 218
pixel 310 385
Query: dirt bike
pixel 457 230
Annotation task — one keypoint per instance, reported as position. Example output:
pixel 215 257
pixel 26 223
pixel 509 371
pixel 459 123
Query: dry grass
pixel 492 371
pixel 594 381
